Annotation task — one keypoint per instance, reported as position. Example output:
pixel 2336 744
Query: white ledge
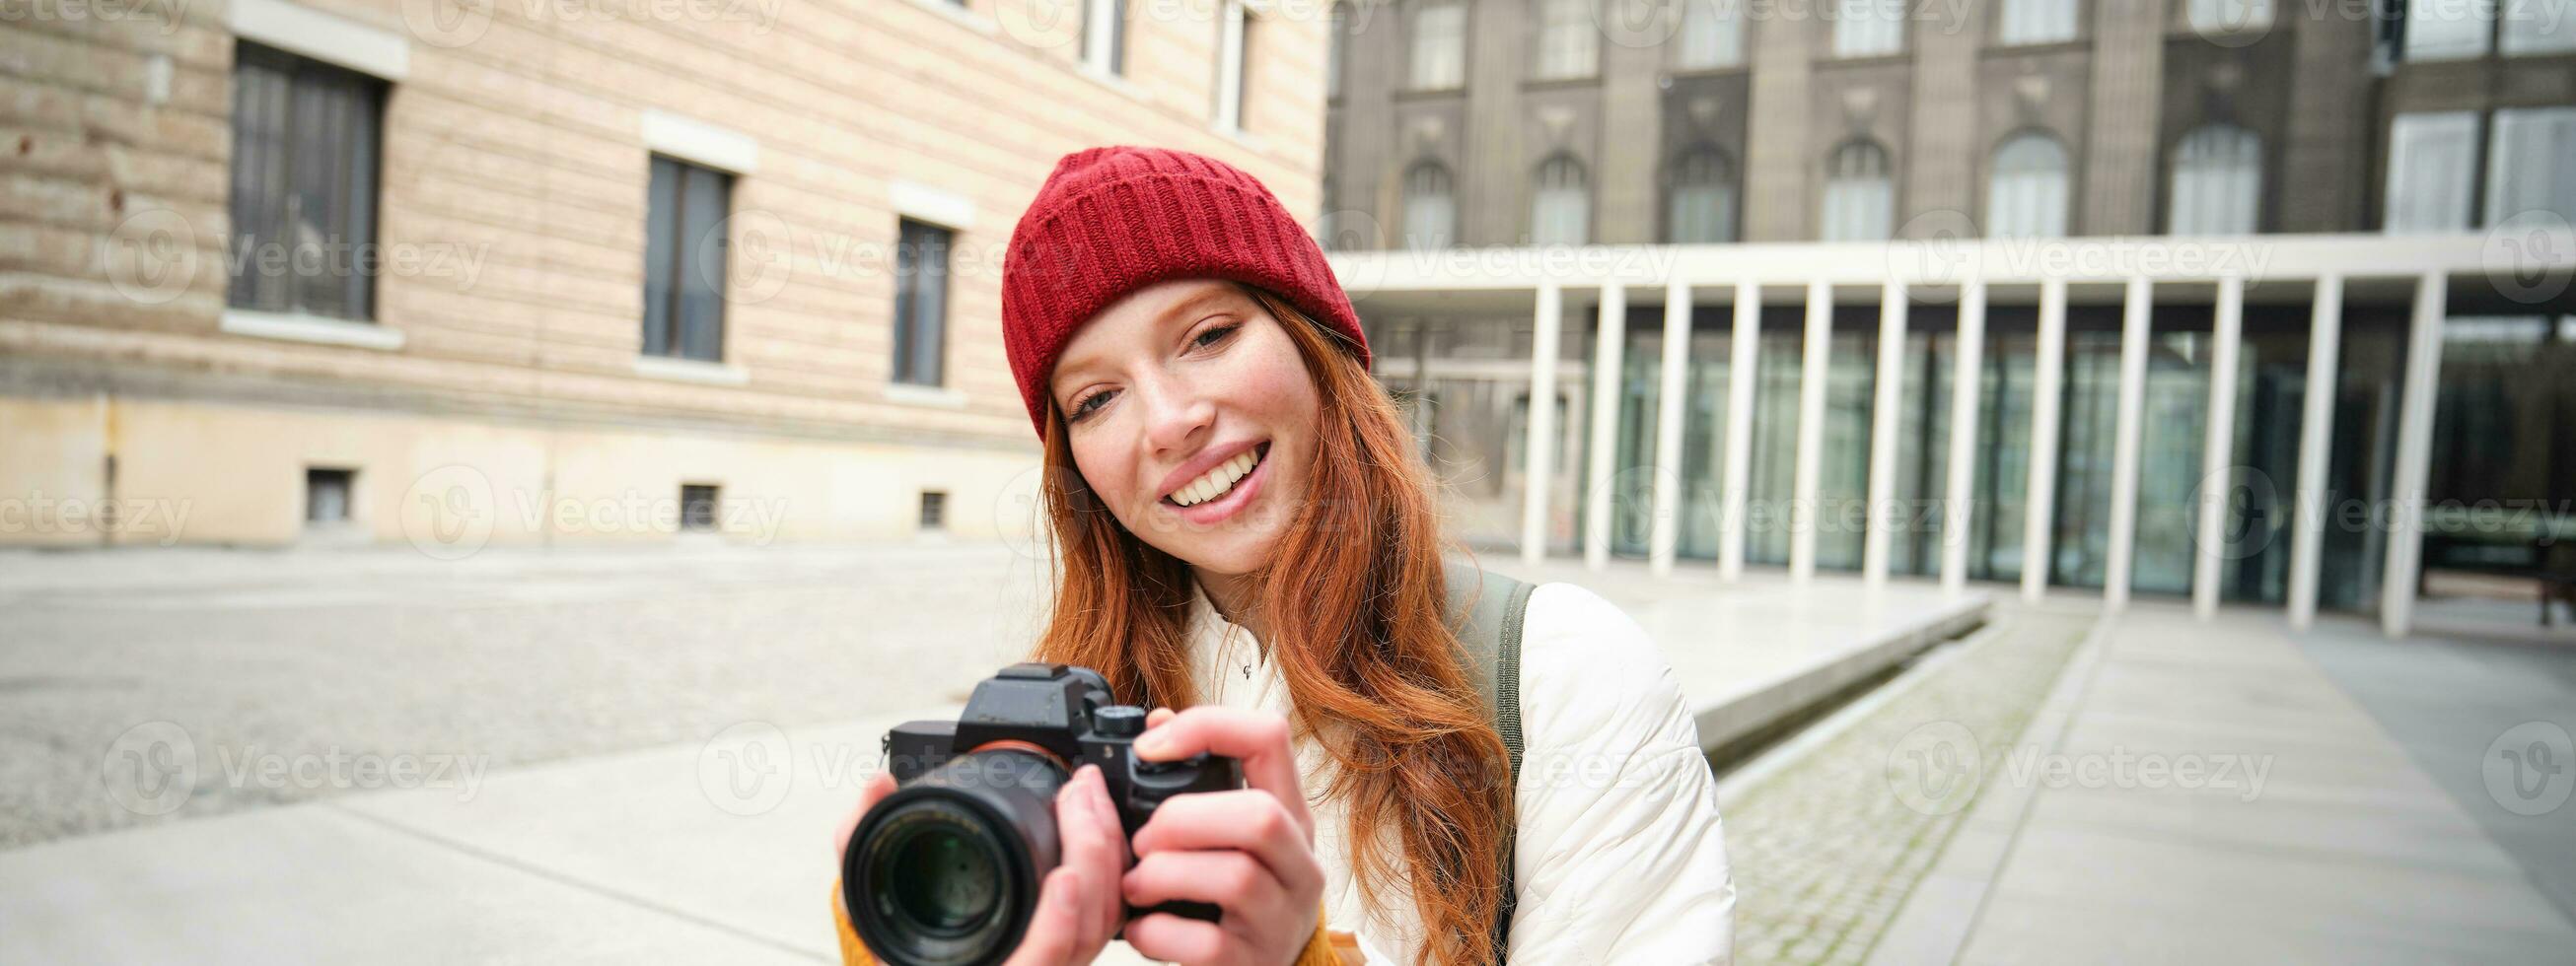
pixel 700 143
pixel 300 327
pixel 936 205
pixel 912 395
pixel 326 37
pixel 691 370
pixel 961 16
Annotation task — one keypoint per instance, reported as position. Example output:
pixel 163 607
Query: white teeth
pixel 1218 481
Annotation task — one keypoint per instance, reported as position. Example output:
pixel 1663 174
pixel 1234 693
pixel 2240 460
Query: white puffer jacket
pixel 1621 858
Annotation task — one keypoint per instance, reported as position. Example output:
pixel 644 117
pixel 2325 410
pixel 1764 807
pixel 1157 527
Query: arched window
pixel 2037 21
pixel 1569 39
pixel 2026 190
pixel 2217 182
pixel 1860 199
pixel 1711 35
pixel 1430 207
pixel 1869 28
pixel 1561 205
pixel 1699 204
pixel 1439 46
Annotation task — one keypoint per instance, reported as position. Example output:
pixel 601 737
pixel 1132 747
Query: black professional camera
pixel 946 869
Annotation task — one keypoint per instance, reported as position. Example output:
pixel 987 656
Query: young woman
pixel 1248 534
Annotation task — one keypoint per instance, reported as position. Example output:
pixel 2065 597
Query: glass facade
pixel 2504 422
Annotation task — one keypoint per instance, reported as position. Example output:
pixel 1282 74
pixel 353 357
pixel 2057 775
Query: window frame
pixel 2065 175
pixel 913 323
pixel 1456 45
pixel 684 256
pixel 1540 195
pixel 270 200
pixel 1728 183
pixel 1406 196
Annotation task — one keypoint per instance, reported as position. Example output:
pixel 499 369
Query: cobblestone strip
pixel 1826 848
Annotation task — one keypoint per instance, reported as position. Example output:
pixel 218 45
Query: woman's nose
pixel 1177 418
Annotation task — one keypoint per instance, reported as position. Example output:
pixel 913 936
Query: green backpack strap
pixel 1486 609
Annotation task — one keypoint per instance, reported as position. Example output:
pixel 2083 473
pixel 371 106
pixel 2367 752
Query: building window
pixel 1104 35
pixel 1439 46
pixel 1561 205
pixel 934 510
pixel 2538 27
pixel 2229 16
pixel 1700 204
pixel 1711 35
pixel 698 506
pixel 1233 60
pixel 1868 28
pixel 2448 29
pixel 1860 198
pixel 326 495
pixel 305 145
pixel 2026 191
pixel 920 302
pixel 1569 39
pixel 2217 182
pixel 2529 165
pixel 2432 159
pixel 1430 207
pixel 685 260
pixel 2037 21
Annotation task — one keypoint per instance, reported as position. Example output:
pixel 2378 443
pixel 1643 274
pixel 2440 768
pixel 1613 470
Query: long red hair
pixel 1356 629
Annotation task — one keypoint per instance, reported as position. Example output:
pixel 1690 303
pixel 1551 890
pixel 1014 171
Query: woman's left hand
pixel 1251 852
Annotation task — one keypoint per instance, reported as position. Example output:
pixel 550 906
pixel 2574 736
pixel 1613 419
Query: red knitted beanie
pixel 1111 220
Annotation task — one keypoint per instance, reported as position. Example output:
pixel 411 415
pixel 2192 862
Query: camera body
pixel 946 869
pixel 1067 713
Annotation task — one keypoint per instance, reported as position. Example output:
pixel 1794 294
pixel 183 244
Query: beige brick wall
pixel 514 182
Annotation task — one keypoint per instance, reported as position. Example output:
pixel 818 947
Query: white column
pixel 2042 490
pixel 1888 392
pixel 1811 431
pixel 1743 358
pixel 1967 379
pixel 2414 458
pixel 2218 457
pixel 2316 443
pixel 1536 449
pixel 1669 412
pixel 2135 322
pixel 1600 497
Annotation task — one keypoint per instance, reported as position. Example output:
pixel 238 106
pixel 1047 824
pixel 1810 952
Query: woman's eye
pixel 1213 335
pixel 1085 405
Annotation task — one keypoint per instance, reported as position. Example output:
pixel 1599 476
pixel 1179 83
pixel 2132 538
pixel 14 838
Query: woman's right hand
pixel 1080 904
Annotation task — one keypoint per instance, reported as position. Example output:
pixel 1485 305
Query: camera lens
pixel 946 879
pixel 945 871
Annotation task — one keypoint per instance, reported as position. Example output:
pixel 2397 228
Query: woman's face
pixel 1192 416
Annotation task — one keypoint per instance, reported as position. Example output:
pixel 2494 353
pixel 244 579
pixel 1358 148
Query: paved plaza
pixel 600 756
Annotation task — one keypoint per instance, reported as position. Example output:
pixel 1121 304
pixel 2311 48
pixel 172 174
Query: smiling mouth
pixel 1216 483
